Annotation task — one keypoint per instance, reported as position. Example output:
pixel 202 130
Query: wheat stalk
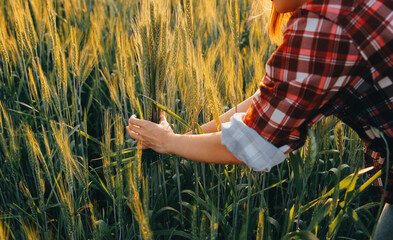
pixel 194 223
pixel 136 206
pixel 106 152
pixel 119 141
pixel 214 225
pixel 66 204
pixel 261 224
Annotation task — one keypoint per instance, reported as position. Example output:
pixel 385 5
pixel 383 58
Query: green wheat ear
pixel 106 153
pixel 153 52
pixel 189 17
pixel 4 54
pixel 74 53
pixel 34 153
pixel 32 86
pixel 215 105
pixel 339 137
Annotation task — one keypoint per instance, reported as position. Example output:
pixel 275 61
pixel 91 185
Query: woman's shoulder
pixel 315 12
pixel 329 9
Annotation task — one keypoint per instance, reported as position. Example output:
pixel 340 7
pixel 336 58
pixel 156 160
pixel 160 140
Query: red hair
pixel 276 24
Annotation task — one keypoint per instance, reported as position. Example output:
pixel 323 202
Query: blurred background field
pixel 73 71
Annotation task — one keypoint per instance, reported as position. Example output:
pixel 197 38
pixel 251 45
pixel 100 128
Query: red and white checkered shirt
pixel 336 58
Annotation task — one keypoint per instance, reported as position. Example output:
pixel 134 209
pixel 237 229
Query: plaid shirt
pixel 336 58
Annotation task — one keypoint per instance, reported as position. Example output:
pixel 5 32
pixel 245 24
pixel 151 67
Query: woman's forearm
pixel 211 126
pixel 205 148
pixel 160 137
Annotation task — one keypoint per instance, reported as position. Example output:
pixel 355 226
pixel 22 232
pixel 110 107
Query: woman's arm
pixel 160 137
pixel 205 148
pixel 211 127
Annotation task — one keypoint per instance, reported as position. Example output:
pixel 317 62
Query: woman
pixel 336 58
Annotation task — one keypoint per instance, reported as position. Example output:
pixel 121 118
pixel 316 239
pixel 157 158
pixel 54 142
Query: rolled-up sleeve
pixel 248 146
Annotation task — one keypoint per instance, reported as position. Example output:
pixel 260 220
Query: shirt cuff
pixel 248 146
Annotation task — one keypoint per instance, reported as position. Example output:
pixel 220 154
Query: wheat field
pixel 73 71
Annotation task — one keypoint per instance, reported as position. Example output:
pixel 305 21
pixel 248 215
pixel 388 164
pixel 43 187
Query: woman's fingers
pixel 152 135
pixel 133 134
pixel 135 129
pixel 163 120
pixel 137 122
pixel 162 117
pixel 133 116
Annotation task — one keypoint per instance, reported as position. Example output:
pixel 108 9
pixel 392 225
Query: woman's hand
pixel 152 135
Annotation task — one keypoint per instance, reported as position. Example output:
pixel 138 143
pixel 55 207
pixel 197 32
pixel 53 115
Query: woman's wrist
pixel 170 144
